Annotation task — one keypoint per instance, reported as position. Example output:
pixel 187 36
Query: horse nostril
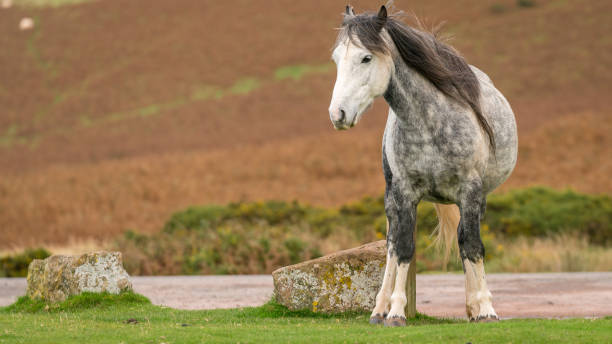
pixel 342 115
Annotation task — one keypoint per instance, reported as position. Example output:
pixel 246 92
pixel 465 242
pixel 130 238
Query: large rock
pixel 342 281
pixel 58 277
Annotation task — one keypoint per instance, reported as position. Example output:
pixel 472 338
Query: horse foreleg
pixel 397 315
pixel 402 247
pixel 383 298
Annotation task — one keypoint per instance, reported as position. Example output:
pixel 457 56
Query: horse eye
pixel 367 59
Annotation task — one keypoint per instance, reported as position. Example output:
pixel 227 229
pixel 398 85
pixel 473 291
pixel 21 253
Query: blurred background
pixel 194 135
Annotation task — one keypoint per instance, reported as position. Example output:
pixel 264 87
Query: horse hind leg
pixel 479 305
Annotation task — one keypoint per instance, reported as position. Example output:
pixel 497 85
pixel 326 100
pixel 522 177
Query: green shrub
pixel 17 265
pixel 295 248
pixel 525 3
pixel 540 211
pixel 196 218
pixel 258 237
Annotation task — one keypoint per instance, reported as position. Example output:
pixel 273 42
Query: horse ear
pixel 381 18
pixel 349 10
pixel 348 13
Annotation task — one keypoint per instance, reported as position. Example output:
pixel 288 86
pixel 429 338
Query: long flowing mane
pixel 436 61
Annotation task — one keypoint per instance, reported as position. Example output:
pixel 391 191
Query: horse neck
pixel 414 99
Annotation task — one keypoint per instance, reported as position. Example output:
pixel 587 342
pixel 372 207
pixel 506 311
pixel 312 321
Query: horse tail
pixel 446 231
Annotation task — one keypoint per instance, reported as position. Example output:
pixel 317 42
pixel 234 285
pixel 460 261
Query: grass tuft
pixel 83 301
pixel 25 304
pixel 274 310
pixel 101 300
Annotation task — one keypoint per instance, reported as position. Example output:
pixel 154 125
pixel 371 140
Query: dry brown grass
pixel 572 150
pixel 565 253
pixel 101 200
pixel 71 246
pixel 141 193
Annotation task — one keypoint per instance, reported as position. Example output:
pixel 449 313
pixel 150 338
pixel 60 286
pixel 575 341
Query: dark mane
pixel 439 63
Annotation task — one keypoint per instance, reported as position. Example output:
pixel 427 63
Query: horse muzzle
pixel 339 119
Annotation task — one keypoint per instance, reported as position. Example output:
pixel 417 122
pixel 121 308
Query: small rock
pixel 342 281
pixel 26 24
pixel 131 321
pixel 57 277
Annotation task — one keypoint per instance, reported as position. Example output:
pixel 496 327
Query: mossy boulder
pixel 343 281
pixel 56 278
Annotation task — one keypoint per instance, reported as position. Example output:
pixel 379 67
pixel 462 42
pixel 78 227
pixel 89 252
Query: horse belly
pixel 425 170
pixel 502 120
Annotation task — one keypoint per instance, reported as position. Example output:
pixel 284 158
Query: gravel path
pixel 553 295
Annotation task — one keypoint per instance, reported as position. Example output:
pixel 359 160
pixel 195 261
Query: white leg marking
pixel 384 295
pixel 398 298
pixel 477 295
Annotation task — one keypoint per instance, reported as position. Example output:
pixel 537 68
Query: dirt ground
pixel 116 115
pixel 554 295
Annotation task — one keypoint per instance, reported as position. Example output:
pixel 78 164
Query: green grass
pixel 297 72
pixel 48 3
pixel 205 92
pixel 245 86
pixel 84 301
pixel 130 318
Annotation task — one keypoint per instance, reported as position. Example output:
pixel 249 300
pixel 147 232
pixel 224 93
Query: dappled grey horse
pixel 450 139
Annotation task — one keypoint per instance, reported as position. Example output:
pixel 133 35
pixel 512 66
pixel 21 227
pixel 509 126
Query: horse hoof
pixel 395 321
pixel 377 319
pixel 486 318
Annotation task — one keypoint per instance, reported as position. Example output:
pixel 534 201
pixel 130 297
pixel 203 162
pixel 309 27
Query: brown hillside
pixel 115 114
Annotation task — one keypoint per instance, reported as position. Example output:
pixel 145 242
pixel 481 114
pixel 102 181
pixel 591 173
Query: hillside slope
pixel 115 114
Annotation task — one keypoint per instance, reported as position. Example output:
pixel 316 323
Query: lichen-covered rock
pixel 57 277
pixel 342 281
